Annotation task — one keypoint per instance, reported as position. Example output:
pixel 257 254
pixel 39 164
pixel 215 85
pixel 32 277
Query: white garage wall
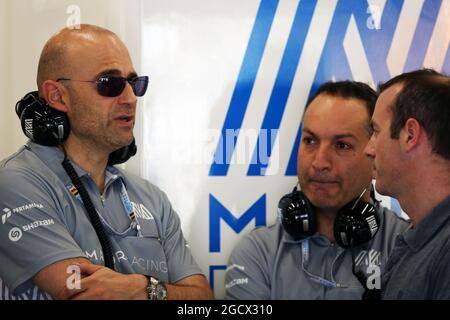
pixel 5 112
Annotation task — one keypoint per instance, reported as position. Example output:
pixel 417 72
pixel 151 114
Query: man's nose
pixel 369 150
pixel 128 96
pixel 322 158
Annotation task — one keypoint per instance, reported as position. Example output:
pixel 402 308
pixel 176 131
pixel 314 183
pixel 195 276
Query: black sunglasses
pixel 113 86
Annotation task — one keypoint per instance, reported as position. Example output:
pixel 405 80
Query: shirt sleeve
pixel 247 275
pixel 32 232
pixel 180 261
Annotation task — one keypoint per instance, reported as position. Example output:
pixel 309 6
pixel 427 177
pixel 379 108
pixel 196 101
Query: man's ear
pixel 52 92
pixel 410 135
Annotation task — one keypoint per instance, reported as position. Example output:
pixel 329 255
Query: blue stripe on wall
pixel 244 86
pixel 282 87
pixel 422 35
pixel 446 66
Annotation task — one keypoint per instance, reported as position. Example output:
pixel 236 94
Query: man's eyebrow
pixel 306 130
pixel 345 135
pixel 336 137
pixel 132 75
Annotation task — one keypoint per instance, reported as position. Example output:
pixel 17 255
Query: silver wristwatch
pixel 156 290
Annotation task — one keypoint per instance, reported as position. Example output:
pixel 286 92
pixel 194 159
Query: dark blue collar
pixel 426 229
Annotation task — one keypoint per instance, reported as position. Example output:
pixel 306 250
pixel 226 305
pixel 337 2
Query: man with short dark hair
pixel 411 150
pixel 299 257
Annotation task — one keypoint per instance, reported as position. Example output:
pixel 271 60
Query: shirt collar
pixel 421 234
pixel 316 238
pixel 54 156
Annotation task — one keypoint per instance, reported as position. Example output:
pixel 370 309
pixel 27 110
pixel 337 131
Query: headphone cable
pixel 92 212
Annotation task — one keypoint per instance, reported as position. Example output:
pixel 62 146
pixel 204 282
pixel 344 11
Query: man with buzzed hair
pixel 48 234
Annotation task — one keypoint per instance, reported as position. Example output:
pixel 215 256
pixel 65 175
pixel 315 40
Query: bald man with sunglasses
pixel 50 247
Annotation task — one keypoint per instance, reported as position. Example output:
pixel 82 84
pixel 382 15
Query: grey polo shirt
pixel 43 221
pixel 419 267
pixel 269 264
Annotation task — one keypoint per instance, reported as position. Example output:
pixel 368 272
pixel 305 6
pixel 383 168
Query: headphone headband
pixel 47 126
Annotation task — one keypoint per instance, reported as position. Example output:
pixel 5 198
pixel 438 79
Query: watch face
pixel 156 289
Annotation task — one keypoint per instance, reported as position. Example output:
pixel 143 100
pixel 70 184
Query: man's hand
pixel 101 283
pixel 96 282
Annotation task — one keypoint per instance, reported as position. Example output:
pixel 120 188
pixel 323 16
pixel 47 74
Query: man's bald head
pixel 54 61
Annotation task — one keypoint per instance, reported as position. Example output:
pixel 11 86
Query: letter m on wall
pixel 218 212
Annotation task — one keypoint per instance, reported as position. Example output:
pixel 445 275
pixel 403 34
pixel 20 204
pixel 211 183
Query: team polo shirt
pixel 269 264
pixel 419 267
pixel 43 220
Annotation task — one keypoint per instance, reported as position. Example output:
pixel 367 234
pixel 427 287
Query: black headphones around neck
pixel 47 126
pixel 355 224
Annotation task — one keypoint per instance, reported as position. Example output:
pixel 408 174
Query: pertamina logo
pixel 8 212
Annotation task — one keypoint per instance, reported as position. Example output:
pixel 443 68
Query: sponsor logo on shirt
pixel 369 258
pixel 150 265
pixel 240 281
pixel 37 224
pixel 15 234
pixel 141 211
pixel 8 212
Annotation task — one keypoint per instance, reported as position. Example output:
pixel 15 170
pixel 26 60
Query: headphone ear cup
pixel 297 215
pixel 41 123
pixel 356 224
